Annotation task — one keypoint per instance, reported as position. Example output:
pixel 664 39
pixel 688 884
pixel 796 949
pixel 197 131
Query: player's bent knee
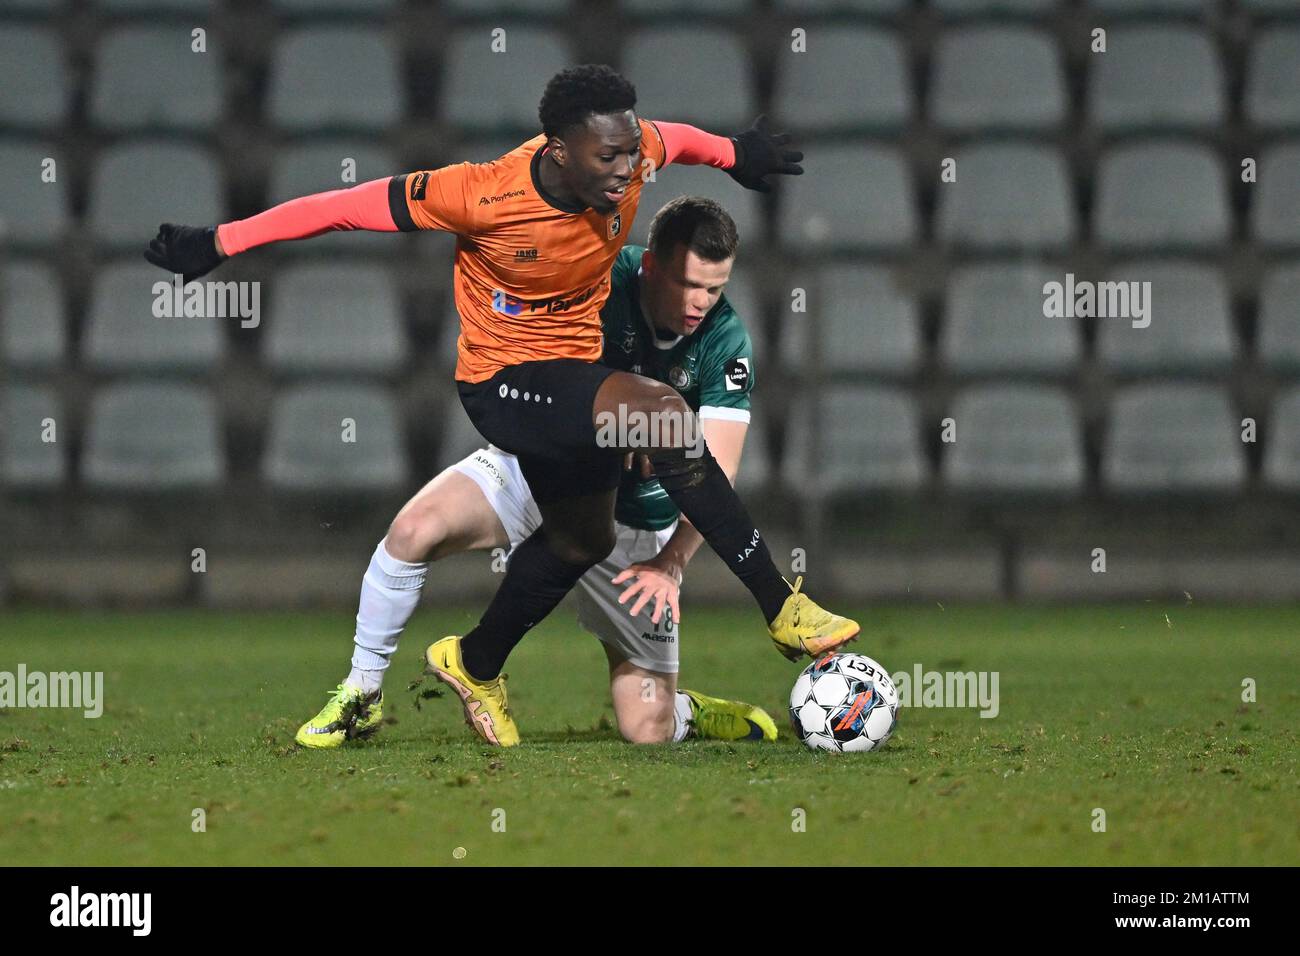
pixel 648 728
pixel 414 536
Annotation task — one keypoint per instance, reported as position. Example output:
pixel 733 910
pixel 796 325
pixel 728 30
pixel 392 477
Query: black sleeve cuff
pixel 397 204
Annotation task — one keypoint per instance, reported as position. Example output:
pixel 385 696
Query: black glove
pixel 189 250
pixel 759 152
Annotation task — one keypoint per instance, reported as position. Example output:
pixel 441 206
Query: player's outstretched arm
pixel 747 157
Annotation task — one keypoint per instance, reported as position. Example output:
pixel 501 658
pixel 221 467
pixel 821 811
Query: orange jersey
pixel 530 276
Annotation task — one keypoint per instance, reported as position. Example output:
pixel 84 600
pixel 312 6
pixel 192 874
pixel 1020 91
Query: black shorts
pixel 542 413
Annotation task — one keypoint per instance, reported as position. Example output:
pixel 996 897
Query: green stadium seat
pixel 827 211
pixel 994 324
pixel 1152 8
pixel 677 180
pixel 1157 77
pixel 1282 452
pixel 846 7
pixel 484 91
pixel 125 95
pixel 36 91
pixel 1173 438
pixel 696 74
pixel 984 8
pixel 317 166
pixel 866 67
pixel 1024 439
pixel 1279 319
pixel 1272 96
pixel 27 461
pixel 1007 196
pixel 1275 203
pixel 997 78
pixel 312 8
pixel 151 437
pixel 306 450
pixel 869 441
pixel 141 183
pixel 335 318
pixel 332 78
pixel 857 318
pixel 33 333
pixel 1190 331
pixel 1163 195
pixel 123 335
pixel 33 213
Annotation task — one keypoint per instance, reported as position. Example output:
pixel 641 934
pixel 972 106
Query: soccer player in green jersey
pixel 666 318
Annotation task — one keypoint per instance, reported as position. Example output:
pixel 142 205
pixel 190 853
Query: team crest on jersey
pixel 678 377
pixel 615 225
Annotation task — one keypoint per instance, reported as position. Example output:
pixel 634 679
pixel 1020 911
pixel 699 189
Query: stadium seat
pixel 149 436
pixel 743 294
pixel 33 213
pixel 126 95
pixel 1162 195
pixel 867 68
pixel 997 77
pixel 466 8
pixel 982 8
pixel 333 78
pixel 32 330
pixel 317 166
pixel 1282 453
pixel 741 204
pixel 484 149
pixel 27 461
pixel 155 6
pixel 756 459
pixel 1172 438
pixel 829 210
pixel 1146 8
pixel 1007 196
pixel 123 334
pixel 1279 319
pixel 1275 203
pixel 994 324
pixel 859 319
pixel 676 8
pixel 1015 438
pixel 489 92
pixel 307 451
pixel 369 8
pixel 1157 77
pixel 32 6
pixel 1190 329
pixel 1272 96
pixel 872 7
pixel 870 440
pixel 1271 7
pixel 457 436
pixel 699 75
pixel 335 317
pixel 37 85
pixel 142 183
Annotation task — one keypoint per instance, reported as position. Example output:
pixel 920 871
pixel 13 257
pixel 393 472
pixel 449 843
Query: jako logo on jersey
pixel 508 304
pixel 488 200
pixel 528 254
pixel 419 183
pixel 737 374
pixel 616 225
pixel 753 543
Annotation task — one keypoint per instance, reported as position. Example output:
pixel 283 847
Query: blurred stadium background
pixel 924 299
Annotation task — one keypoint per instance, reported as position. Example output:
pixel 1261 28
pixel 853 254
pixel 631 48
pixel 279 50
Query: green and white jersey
pixel 712 368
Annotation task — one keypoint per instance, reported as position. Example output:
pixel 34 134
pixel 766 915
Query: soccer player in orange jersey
pixel 538 230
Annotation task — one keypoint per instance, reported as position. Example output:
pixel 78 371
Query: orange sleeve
pixel 434 199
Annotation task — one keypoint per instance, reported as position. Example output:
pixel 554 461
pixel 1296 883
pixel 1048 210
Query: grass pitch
pixel 1136 710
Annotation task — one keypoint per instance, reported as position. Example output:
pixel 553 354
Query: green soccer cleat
pixel 349 714
pixel 716 719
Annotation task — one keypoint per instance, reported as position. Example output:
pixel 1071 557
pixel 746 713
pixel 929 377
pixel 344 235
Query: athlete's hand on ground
pixel 191 251
pixel 759 153
pixel 651 581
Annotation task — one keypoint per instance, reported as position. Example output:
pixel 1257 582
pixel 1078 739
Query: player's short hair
pixel 580 91
pixel 702 225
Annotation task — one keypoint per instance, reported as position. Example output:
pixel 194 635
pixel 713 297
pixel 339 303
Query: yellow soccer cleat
pixel 486 709
pixel 805 627
pixel 349 714
pixel 713 718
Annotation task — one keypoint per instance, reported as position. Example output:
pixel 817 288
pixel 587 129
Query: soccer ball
pixel 844 703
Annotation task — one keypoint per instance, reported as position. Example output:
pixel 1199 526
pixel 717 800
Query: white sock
pixel 390 591
pixel 682 713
